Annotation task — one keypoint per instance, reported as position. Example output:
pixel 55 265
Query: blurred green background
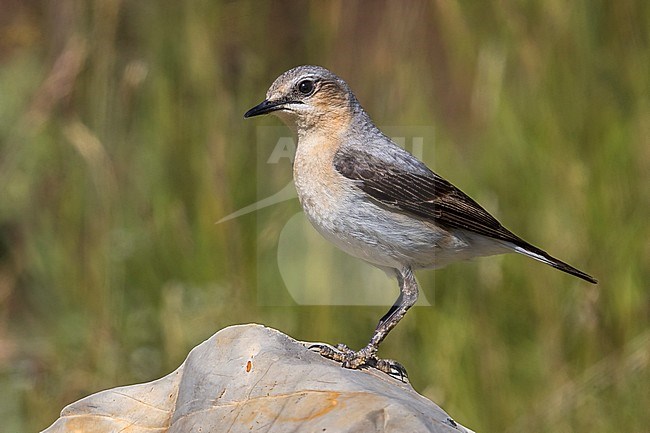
pixel 122 143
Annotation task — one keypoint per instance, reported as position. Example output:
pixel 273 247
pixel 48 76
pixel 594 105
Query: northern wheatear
pixel 376 201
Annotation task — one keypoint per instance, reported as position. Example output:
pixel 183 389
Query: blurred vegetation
pixel 122 143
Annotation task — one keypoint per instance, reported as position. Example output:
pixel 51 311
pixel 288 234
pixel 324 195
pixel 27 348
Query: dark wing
pixel 407 185
pixel 420 192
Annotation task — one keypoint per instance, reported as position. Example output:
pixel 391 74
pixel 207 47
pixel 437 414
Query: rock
pixel 253 378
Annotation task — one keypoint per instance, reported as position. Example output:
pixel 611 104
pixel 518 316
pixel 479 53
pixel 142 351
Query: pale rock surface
pixel 250 378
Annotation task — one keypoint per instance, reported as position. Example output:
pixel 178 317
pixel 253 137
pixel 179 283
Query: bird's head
pixel 308 97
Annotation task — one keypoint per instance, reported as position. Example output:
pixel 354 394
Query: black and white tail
pixel 541 255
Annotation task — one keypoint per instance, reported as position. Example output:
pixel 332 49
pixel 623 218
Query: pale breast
pixel 320 188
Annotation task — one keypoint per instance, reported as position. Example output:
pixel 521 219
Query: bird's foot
pixel 366 357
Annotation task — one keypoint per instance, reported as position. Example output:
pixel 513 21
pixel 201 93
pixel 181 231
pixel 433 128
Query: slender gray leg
pixel 408 296
pixel 368 355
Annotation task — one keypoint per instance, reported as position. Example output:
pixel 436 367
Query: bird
pixel 377 202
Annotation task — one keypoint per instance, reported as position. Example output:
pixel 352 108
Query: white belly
pixel 358 225
pixel 381 236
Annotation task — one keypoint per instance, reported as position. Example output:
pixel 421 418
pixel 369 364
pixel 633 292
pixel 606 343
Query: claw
pixel 393 368
pixel 319 347
pixel 363 358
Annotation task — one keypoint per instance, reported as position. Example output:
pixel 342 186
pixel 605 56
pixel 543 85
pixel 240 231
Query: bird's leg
pixel 368 355
pixel 408 296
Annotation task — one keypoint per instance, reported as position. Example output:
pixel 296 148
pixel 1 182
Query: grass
pixel 122 142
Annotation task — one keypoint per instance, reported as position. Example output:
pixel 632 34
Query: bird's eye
pixel 306 87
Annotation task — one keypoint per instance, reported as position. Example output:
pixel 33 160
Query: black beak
pixel 264 107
